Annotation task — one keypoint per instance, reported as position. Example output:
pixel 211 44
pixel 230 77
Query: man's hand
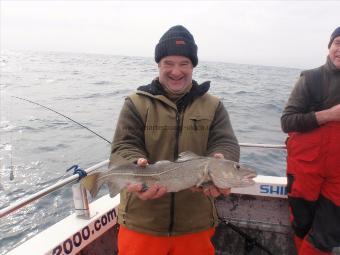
pixel 331 114
pixel 335 112
pixel 152 192
pixel 142 162
pixel 212 190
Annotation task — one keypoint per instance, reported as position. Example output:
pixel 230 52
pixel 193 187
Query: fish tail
pixel 91 184
pixel 113 189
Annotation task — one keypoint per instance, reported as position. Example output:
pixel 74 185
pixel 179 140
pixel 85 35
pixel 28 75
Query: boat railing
pixel 26 201
pixel 72 179
pixel 263 145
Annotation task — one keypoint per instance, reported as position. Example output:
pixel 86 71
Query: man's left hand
pixel 212 190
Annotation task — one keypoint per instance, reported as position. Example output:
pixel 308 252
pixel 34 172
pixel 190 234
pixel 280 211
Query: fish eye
pixel 237 166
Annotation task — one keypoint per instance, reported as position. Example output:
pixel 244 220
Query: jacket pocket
pixel 194 134
pixel 200 122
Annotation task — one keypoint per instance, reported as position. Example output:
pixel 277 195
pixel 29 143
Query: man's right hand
pixel 331 114
pixel 335 112
pixel 153 192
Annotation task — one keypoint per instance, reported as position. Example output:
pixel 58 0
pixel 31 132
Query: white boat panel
pixel 72 234
pixel 268 186
pixel 260 210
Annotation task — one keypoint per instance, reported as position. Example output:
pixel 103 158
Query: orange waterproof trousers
pixel 313 172
pixel 136 243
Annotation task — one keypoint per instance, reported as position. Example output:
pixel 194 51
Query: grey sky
pixel 278 33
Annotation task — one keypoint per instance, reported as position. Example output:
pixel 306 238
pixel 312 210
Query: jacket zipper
pixel 177 134
pixel 172 198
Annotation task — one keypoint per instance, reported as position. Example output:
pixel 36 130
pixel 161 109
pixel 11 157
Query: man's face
pixel 334 52
pixel 175 72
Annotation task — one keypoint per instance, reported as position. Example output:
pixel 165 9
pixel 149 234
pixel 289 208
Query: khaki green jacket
pixel 153 127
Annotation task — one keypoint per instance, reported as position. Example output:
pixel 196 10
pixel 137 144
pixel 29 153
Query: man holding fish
pixel 171 115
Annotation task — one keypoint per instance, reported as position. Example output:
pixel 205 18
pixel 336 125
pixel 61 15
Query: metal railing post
pixel 81 203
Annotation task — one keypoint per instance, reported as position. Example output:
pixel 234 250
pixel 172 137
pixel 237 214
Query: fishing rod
pixel 268 146
pixel 50 109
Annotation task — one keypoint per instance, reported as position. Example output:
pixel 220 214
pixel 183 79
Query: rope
pixel 250 242
pixel 78 171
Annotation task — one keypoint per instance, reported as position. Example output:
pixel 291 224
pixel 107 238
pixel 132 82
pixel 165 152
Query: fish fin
pixel 91 184
pixel 186 155
pixel 162 162
pixel 204 184
pixel 113 189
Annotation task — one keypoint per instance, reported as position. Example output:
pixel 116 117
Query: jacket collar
pixel 156 90
pixel 331 67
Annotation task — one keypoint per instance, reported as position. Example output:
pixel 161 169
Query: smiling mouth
pixel 176 79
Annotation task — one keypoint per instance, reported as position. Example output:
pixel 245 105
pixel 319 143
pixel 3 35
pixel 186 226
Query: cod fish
pixel 187 171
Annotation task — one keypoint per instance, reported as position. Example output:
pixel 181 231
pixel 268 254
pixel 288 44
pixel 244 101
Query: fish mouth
pixel 249 176
pixel 248 179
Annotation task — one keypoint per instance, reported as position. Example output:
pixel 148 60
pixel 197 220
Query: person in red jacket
pixel 312 119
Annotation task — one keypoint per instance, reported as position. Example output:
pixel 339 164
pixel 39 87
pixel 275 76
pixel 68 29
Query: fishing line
pixel 11 168
pixel 268 146
pixel 249 242
pixel 0 107
pixel 76 122
pixel 10 142
pixel 77 170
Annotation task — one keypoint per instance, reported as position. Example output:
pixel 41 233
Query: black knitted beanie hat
pixel 177 41
pixel 336 33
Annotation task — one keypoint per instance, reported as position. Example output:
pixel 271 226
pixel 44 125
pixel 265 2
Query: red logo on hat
pixel 180 42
